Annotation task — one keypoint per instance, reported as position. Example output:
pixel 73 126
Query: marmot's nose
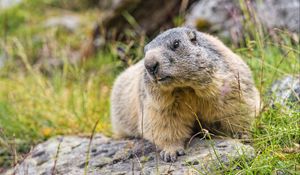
pixel 152 67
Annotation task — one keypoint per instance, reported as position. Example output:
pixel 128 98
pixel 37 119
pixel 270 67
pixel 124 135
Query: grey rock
pixel 69 22
pixel 286 91
pixel 222 16
pixel 71 155
pixel 280 14
pixel 226 17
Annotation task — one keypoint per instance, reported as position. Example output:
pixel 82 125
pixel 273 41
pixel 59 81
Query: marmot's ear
pixel 193 36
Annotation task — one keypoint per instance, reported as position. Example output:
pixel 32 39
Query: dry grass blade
pixel 89 147
pixel 53 172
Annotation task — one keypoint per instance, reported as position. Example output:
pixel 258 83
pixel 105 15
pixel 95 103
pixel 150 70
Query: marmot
pixel 185 77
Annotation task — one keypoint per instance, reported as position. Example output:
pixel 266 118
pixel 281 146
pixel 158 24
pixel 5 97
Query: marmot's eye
pixel 176 44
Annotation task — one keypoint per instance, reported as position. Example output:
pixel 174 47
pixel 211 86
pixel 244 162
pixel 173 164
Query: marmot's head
pixel 180 57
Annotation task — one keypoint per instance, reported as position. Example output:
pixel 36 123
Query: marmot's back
pixel 240 74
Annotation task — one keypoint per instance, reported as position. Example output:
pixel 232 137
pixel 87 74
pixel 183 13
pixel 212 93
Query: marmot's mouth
pixel 163 79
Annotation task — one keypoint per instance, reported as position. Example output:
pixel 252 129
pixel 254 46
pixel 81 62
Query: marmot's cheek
pixel 225 89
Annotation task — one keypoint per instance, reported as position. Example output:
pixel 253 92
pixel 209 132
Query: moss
pixel 202 24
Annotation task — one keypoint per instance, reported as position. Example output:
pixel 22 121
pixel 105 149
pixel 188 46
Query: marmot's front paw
pixel 171 156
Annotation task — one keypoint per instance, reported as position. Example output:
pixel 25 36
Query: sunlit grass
pixel 36 107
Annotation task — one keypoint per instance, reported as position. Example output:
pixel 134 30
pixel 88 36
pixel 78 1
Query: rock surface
pixel 286 91
pixel 225 16
pixel 68 155
pixel 280 14
pixel 218 16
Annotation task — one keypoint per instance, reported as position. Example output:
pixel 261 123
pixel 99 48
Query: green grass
pixel 276 141
pixel 35 105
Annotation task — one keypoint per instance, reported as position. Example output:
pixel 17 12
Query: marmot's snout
pixel 153 65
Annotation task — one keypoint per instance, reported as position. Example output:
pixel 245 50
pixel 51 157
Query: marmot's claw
pixel 171 156
pixel 168 156
pixel 180 152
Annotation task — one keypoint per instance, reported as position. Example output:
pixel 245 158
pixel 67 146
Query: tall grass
pixel 35 107
pixel 271 55
pixel 39 100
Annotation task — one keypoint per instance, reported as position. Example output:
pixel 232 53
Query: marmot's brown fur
pixel 186 75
